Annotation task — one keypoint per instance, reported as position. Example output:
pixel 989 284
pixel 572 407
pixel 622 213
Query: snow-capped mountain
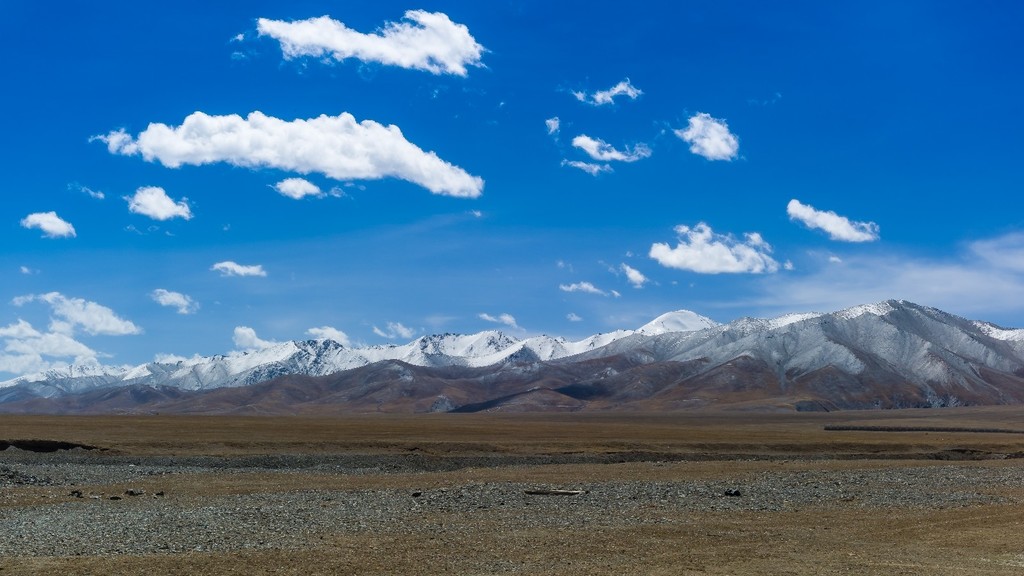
pixel 325 356
pixel 890 354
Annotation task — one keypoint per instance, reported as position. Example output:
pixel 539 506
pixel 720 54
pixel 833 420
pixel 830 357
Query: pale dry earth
pixel 700 493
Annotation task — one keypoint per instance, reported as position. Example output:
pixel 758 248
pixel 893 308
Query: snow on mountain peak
pixel 877 309
pixel 678 321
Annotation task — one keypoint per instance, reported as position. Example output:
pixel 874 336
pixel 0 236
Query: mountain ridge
pixel 889 354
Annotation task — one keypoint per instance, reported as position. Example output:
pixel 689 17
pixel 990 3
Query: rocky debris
pixel 733 492
pixel 134 492
pixel 100 525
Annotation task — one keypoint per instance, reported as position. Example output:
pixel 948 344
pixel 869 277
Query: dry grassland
pixel 448 495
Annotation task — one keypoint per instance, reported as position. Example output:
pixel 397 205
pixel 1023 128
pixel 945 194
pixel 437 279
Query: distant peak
pixel 677 321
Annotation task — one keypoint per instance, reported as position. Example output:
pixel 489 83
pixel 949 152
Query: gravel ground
pixel 170 522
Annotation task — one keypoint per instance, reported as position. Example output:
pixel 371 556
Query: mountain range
pixel 893 354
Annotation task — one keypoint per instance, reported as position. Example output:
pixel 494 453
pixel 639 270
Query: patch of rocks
pixel 134 522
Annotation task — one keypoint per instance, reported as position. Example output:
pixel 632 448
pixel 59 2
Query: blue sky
pixel 189 179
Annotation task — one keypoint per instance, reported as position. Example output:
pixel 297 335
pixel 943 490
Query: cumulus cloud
pixel 297 188
pixel 245 338
pixel 154 202
pixel 588 167
pixel 72 314
pixel 338 147
pixel 506 319
pixel 28 350
pixel 635 277
pixel 600 150
pixel 329 333
pixel 394 330
pixel 229 268
pixel 602 97
pixel 700 249
pixel 27 271
pixel 586 287
pixel 428 41
pixel 553 125
pixel 182 302
pixel 710 137
pixel 573 317
pixel 837 227
pixel 53 226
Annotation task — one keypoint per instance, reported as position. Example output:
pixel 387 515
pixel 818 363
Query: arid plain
pixel 923 492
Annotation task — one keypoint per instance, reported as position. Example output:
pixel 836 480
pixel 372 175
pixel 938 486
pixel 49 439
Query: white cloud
pixel 394 330
pixel 710 138
pixel 53 226
pixel 182 302
pixel 601 97
pixel 586 287
pixel 835 259
pixel 297 188
pixel 27 271
pixel 26 350
pixel 506 319
pixel 229 268
pixel 553 125
pixel 616 294
pixel 430 41
pixel 588 167
pixel 338 147
pixel 330 333
pixel 600 150
pixel 70 314
pixel 573 317
pixel 837 227
pixel 700 249
pixel 245 338
pixel 635 277
pixel 154 202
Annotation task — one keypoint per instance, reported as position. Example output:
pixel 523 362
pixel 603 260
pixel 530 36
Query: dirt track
pixel 697 494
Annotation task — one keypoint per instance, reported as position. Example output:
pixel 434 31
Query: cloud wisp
pixel 427 41
pixel 604 152
pixel 229 268
pixel 634 276
pixel 585 287
pixel 394 330
pixel 506 319
pixel 604 97
pixel 184 303
pixel 837 227
pixel 153 201
pixel 700 249
pixel 710 138
pixel 338 147
pixel 553 125
pixel 51 225
pixel 588 167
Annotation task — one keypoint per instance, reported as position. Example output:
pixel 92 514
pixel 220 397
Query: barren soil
pixel 691 493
